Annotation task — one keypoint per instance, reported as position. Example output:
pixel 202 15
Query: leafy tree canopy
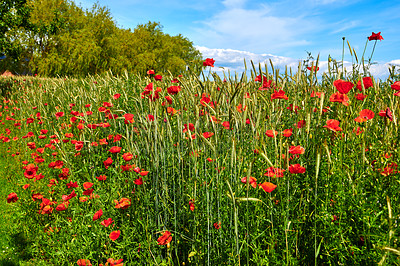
pixel 59 38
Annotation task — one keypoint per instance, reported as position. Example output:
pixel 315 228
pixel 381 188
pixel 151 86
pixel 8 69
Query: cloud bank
pixel 233 60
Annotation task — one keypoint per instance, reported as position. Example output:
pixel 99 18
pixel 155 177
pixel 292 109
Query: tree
pixel 63 39
pixel 14 14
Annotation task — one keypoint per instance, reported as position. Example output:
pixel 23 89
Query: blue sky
pixel 283 30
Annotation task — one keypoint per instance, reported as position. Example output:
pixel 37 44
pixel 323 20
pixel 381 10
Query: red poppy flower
pixel 386 113
pixel 191 127
pixel 252 181
pixel 165 238
pixel 101 177
pixel 97 215
pixel 128 118
pixel 72 184
pixel 396 86
pixel 59 114
pixel 360 96
pixel 108 162
pixel 365 115
pixel 208 135
pixel 271 133
pixel 138 181
pixel 287 132
pixel 173 90
pixel 217 225
pixel 315 68
pixel 30 171
pixel 191 205
pixel 127 156
pixel 297 169
pixel 296 150
pixel 113 262
pixel 225 124
pixel 333 125
pixel 150 72
pixel 114 235
pixel 115 149
pixel 279 95
pixel 150 117
pixel 375 36
pixel 343 86
pixel 143 173
pixel 367 83
pixel 87 185
pixel 268 187
pixel 63 206
pixel 340 97
pixel 123 204
pixel 12 197
pixel 84 262
pixel 301 124
pixel 259 78
pixel 157 77
pixel 267 84
pixel 107 222
pixel 274 172
pixel 209 62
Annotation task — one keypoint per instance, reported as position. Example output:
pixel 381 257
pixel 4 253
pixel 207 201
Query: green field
pixel 267 168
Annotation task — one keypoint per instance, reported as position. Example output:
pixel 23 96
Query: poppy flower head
pixel 108 162
pixel 287 132
pixel 296 150
pixel 114 235
pixel 165 238
pixel 191 205
pixel 343 86
pixel 339 97
pixel 84 262
pixel 274 172
pixel 97 215
pixel 315 68
pixel 375 36
pixel 396 86
pixel 209 62
pixel 271 133
pixel 115 149
pixel 59 114
pixel 107 222
pixel 12 197
pixel 367 81
pixel 123 204
pixel 333 125
pixel 279 95
pixel 207 135
pixel 268 187
pixel 365 115
pixel 173 89
pixel 252 181
pixel 297 169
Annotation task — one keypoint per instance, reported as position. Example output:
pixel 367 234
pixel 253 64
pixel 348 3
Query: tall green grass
pixel 342 210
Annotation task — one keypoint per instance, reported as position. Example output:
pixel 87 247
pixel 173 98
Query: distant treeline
pixel 59 38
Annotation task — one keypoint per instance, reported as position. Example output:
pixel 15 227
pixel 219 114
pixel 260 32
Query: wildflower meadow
pixel 275 167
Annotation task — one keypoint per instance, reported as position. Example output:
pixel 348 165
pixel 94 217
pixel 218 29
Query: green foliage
pixel 14 15
pixel 344 209
pixel 65 40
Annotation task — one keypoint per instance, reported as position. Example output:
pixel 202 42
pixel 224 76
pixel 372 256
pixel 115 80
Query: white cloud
pixel 233 60
pixel 258 29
